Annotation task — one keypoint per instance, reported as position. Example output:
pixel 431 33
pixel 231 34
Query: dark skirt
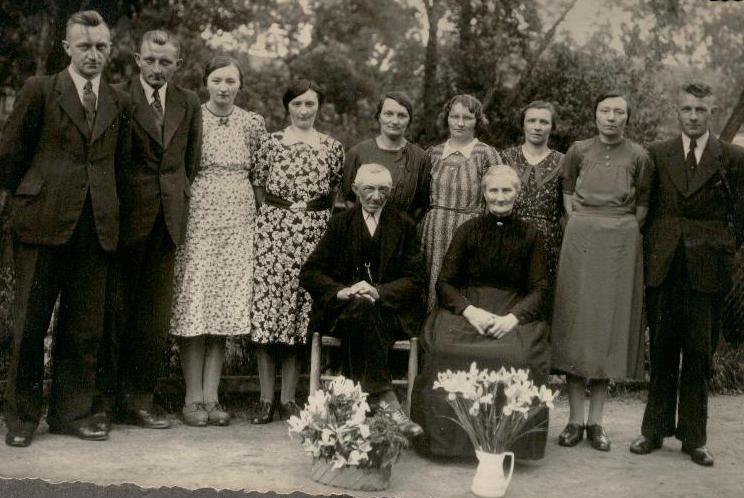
pixel 450 342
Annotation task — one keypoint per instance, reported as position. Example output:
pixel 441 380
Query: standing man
pixel 698 181
pixel 57 158
pixel 160 155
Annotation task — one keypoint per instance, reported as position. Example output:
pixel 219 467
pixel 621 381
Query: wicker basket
pixel 350 477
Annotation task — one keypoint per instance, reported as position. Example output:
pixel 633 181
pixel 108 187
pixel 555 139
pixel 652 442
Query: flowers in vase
pixel 334 426
pixel 493 406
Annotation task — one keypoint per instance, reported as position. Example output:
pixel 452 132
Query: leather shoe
pixel 87 431
pixel 408 427
pixel 288 410
pixel 101 421
pixel 645 445
pixel 701 456
pixel 216 415
pixel 571 435
pixel 195 415
pixel 597 437
pixel 145 419
pixel 18 440
pixel 265 413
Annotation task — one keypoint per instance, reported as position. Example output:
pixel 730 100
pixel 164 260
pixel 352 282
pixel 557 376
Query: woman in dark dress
pixel 540 199
pixel 490 293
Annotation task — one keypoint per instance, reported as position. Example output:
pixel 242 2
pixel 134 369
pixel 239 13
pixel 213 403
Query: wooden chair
pixel 319 341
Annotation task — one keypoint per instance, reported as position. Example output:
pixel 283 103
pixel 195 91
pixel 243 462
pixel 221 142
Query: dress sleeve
pixel 351 165
pixel 454 273
pixel 531 306
pixel 643 178
pixel 255 135
pixel 262 162
pixel 570 166
pixel 336 165
pixel 422 200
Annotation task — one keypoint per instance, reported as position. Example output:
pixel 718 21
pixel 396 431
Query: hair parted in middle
pixel 401 98
pixel 611 94
pixel 220 61
pixel 298 87
pixel 538 104
pixel 470 103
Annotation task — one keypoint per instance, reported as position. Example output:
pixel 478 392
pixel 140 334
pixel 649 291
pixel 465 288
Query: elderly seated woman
pixel 490 294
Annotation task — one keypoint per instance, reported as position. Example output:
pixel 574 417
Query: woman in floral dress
pixel 540 200
pixel 457 166
pixel 214 266
pixel 299 170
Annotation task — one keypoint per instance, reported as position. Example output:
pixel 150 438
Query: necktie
pixel 371 224
pixel 89 102
pixel 690 159
pixel 157 109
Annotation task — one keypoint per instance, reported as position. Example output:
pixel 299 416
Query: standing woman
pixel 540 199
pixel 457 167
pixel 214 266
pixel 597 332
pixel 299 170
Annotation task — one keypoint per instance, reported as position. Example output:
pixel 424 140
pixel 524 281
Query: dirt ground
pixel 245 457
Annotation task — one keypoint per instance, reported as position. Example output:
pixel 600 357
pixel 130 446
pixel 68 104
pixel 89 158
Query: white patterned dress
pixel 214 266
pixel 285 239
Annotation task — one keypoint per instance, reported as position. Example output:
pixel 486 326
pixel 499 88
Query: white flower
pixel 364 430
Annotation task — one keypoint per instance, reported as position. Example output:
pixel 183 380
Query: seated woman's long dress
pixel 498 264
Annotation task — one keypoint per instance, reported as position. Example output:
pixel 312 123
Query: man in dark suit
pixel 366 280
pixel 698 181
pixel 160 156
pixel 57 158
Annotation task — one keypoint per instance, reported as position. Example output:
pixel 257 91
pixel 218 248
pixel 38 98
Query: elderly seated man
pixel 366 280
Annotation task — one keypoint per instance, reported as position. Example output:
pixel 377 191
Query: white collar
pixel 149 89
pixel 291 138
pixel 80 82
pixel 465 150
pixel 376 215
pixel 700 142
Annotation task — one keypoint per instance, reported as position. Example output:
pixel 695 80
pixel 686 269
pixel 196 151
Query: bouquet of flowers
pixel 493 407
pixel 334 426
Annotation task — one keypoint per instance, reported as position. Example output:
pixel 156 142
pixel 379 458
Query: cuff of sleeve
pixel 460 306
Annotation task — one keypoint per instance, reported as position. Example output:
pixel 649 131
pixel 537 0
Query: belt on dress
pixel 319 204
pixel 459 210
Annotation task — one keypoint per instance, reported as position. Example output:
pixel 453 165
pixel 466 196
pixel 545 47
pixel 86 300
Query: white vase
pixel 489 480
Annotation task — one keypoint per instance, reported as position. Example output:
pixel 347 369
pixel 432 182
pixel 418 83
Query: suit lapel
pixel 142 111
pixel 388 238
pixel 69 101
pixel 174 113
pixel 675 165
pixel 710 162
pixel 106 111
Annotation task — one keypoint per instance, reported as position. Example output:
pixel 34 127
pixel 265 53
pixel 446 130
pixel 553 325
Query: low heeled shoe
pixel 194 414
pixel 597 437
pixel 18 440
pixel 571 435
pixel 216 415
pixel 289 409
pixel 700 455
pixel 87 431
pixel 265 413
pixel 645 445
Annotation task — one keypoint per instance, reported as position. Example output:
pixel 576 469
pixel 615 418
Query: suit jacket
pixel 337 263
pixel 157 168
pixel 695 215
pixel 50 160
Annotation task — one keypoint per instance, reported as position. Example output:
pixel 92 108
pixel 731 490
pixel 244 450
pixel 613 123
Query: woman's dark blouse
pixel 501 252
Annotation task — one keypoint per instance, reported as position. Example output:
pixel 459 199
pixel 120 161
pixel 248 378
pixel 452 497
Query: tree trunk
pixel 424 132
pixel 735 120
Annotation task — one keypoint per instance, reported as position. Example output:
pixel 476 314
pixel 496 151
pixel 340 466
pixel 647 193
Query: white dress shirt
pixel 372 220
pixel 80 82
pixel 465 150
pixel 700 144
pixel 148 92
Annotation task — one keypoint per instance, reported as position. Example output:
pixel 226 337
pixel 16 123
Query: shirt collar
pixel 80 82
pixel 466 150
pixel 290 138
pixel 148 91
pixel 700 142
pixel 376 215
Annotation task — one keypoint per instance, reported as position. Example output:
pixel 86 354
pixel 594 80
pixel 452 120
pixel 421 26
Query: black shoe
pixel 571 435
pixel 18 440
pixel 288 409
pixel 598 437
pixel 87 431
pixel 701 456
pixel 101 421
pixel 644 445
pixel 144 418
pixel 408 427
pixel 265 413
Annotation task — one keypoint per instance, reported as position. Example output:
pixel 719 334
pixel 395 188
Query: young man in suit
pixel 366 280
pixel 698 183
pixel 160 157
pixel 57 158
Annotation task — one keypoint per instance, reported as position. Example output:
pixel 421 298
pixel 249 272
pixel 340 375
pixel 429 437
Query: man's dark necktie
pixel 690 159
pixel 157 110
pixel 89 102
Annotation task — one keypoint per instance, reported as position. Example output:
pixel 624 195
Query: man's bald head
pixel 372 186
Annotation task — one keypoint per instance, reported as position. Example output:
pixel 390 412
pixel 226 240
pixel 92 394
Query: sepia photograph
pixel 372 248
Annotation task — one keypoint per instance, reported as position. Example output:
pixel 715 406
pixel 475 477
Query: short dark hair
pixel 697 89
pixel 89 18
pixel 538 104
pixel 220 61
pixel 401 98
pixel 161 37
pixel 470 103
pixel 300 86
pixel 610 94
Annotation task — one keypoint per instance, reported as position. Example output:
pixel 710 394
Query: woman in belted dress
pixel 299 170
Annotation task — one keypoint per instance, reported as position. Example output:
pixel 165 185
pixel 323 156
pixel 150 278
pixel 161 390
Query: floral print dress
pixel 284 239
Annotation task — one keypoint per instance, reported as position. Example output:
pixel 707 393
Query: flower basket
pixel 350 476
